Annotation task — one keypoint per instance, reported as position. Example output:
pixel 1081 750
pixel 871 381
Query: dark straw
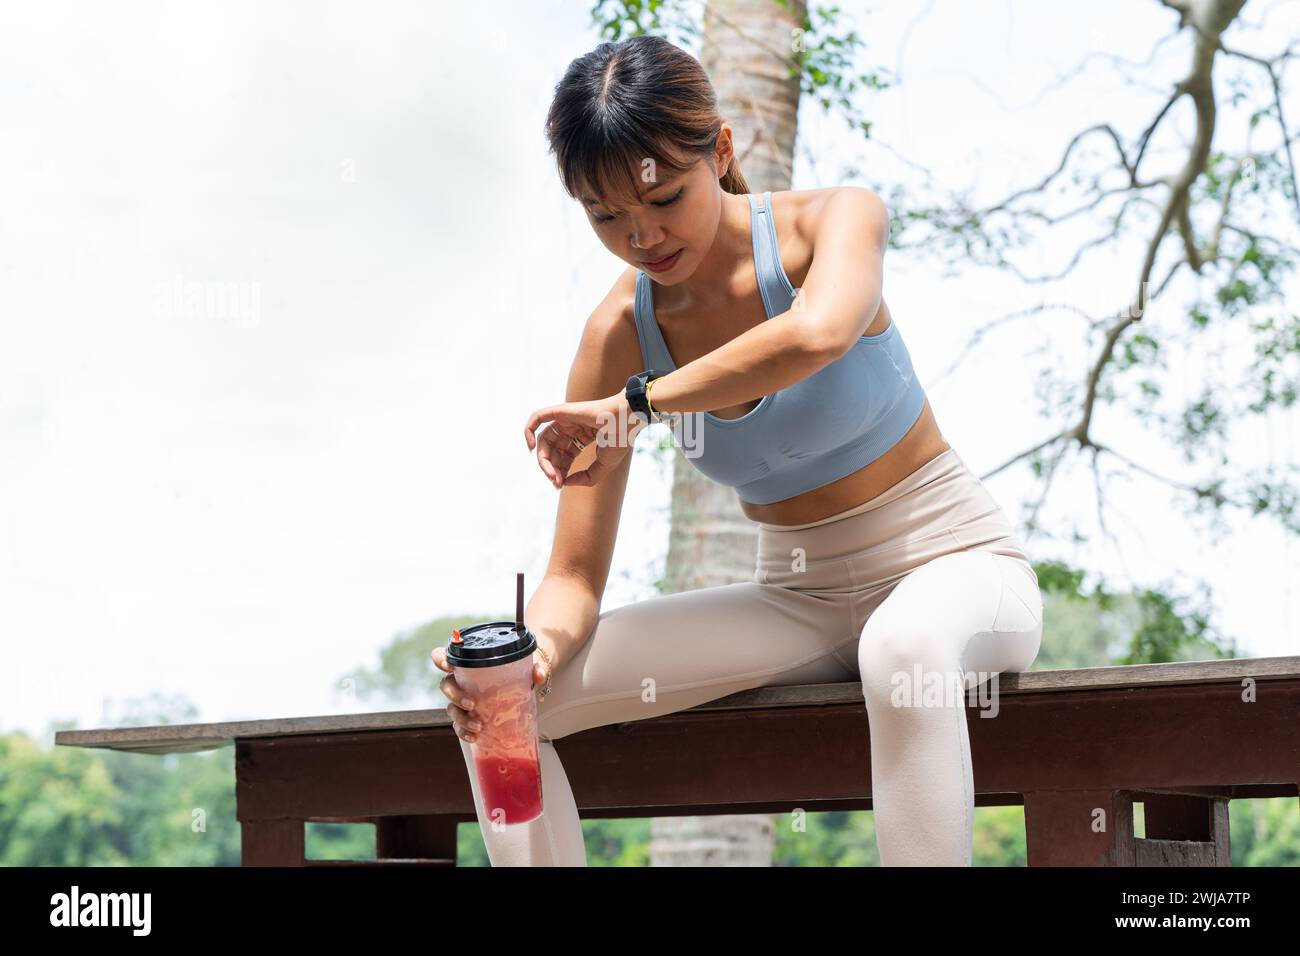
pixel 519 601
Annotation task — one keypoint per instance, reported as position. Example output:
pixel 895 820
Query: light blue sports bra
pixel 817 430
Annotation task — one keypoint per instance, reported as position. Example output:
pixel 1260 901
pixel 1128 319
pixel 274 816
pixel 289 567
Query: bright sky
pixel 239 504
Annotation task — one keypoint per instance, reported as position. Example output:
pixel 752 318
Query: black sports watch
pixel 635 393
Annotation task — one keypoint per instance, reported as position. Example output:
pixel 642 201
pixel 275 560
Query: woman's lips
pixel 663 265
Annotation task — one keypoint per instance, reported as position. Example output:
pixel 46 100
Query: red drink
pixel 510 784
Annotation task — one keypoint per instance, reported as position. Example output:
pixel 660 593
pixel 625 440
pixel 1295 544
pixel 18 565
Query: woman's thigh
pixel 977 611
pixel 675 651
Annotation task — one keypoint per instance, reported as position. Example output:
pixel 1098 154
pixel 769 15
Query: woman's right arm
pixel 564 609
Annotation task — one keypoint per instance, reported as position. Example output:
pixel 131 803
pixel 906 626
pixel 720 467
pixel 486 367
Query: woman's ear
pixel 723 150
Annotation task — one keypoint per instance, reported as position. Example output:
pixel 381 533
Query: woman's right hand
pixel 460 707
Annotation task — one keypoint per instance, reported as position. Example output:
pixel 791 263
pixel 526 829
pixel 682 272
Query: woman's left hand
pixel 608 423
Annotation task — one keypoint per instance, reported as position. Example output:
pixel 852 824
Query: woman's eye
pixel 600 220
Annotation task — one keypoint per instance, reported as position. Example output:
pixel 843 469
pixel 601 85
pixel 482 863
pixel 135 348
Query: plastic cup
pixel 494 664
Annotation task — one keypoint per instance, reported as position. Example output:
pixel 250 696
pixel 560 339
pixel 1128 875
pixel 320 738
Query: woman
pixel 881 556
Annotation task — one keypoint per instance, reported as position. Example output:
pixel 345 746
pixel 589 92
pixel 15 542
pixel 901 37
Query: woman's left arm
pixel 835 305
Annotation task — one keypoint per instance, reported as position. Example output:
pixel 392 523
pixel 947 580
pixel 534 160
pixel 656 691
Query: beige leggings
pixel 928 574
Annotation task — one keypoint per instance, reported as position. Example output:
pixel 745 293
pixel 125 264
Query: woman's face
pixel 674 223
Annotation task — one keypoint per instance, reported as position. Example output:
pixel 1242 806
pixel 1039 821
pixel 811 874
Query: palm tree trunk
pixel 746 50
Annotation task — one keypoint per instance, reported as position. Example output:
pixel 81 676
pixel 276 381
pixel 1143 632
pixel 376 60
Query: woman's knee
pixel 964 610
pixel 894 653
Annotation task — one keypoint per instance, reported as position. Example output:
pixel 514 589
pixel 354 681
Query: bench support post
pixel 272 842
pixel 1078 828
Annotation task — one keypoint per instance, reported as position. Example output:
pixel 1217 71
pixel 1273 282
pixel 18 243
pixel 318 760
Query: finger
pixel 552 457
pixel 548 470
pixel 535 419
pixel 575 443
pixel 464 721
pixel 561 460
pixel 464 731
pixel 557 443
pixel 455 693
pixel 439 655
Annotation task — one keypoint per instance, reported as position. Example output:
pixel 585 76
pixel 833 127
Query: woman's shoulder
pixel 614 315
pixel 610 348
pixel 803 209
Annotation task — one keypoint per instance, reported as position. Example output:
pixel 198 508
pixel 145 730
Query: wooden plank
pixel 184 738
pixel 1110 739
pixel 1179 673
pixel 390 862
pixel 1175 853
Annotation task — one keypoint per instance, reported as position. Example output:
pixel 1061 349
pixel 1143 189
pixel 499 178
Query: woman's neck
pixel 712 282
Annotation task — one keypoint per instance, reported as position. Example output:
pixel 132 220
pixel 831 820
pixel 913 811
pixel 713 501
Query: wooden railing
pixel 1078 748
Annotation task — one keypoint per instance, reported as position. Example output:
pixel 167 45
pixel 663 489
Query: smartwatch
pixel 635 393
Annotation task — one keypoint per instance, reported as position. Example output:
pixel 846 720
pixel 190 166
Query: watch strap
pixel 635 391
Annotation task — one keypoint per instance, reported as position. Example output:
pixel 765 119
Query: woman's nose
pixel 646 236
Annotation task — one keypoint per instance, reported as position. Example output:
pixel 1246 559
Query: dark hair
pixel 622 103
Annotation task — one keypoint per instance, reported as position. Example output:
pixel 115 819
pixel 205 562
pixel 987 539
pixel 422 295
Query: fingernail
pixel 475 725
pixel 467 704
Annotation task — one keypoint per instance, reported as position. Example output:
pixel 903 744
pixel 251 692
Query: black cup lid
pixel 487 645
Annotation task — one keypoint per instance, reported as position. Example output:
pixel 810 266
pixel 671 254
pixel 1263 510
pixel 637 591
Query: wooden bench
pixel 1180 738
